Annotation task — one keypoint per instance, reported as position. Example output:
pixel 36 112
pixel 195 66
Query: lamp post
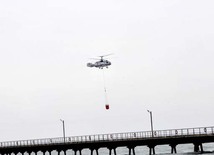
pixel 150 112
pixel 63 124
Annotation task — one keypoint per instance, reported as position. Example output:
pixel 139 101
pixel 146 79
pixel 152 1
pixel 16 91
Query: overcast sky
pixel 163 61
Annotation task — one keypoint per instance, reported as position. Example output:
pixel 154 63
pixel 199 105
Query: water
pixel 182 149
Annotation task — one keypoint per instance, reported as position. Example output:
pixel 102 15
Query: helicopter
pixel 101 63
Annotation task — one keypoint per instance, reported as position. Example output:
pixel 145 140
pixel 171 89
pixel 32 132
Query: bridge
pixel 173 137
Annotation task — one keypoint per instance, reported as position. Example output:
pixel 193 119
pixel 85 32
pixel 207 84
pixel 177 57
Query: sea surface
pixel 182 149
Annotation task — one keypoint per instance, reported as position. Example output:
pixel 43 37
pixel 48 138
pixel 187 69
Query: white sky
pixel 163 61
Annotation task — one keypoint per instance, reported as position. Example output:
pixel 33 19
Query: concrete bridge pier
pixel 43 152
pixel 92 150
pixel 31 152
pixel 65 152
pixel 110 150
pixel 58 151
pixel 49 152
pixel 131 150
pixel 151 149
pixel 80 152
pixel 198 147
pixel 97 152
pixel 75 152
pixel 173 148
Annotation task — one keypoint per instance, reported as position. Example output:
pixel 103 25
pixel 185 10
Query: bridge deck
pixel 113 140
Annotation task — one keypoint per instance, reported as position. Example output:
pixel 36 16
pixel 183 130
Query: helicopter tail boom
pixel 90 65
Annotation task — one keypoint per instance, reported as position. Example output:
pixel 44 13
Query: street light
pixel 150 112
pixel 63 124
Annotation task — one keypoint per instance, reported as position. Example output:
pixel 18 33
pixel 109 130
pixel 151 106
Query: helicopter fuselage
pixel 100 64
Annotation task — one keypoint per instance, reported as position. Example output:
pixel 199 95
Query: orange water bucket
pixel 107 106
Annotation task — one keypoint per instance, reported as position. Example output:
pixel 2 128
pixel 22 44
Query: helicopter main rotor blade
pixel 94 58
pixel 106 55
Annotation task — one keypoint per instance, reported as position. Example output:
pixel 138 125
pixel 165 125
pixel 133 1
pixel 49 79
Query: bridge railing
pixel 112 137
